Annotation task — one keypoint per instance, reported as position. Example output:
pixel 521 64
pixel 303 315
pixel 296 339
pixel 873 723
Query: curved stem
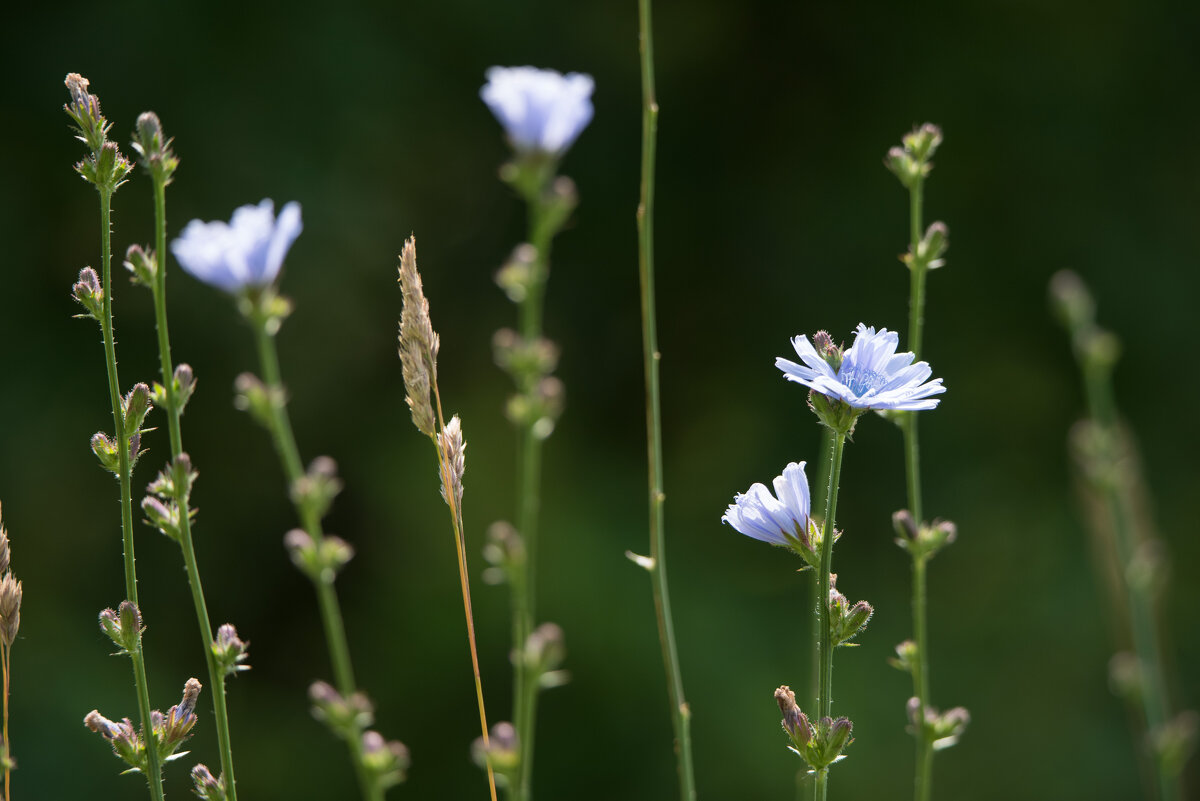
pixel 331 612
pixel 216 676
pixel 680 712
pixel 154 768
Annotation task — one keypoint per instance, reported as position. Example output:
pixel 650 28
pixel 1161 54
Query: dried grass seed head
pixel 418 342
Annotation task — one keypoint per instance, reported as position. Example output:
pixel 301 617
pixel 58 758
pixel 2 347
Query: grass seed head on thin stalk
pixel 10 609
pixel 452 449
pixel 4 550
pixel 418 342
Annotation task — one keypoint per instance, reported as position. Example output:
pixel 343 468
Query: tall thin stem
pixel 529 470
pixel 460 539
pixel 657 565
pixel 154 768
pixel 216 675
pixel 825 641
pixel 5 651
pixel 923 774
pixel 331 612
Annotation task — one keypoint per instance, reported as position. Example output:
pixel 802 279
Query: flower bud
pixel 1071 300
pixel 124 626
pixel 162 516
pixel 230 650
pixel 153 148
pixel 89 294
pixel 904 166
pixel 253 396
pixel 933 246
pixel 502 750
pixel 519 274
pixel 142 264
pixel 106 451
pixel 315 490
pixel 544 652
pixel 185 384
pixel 906 656
pixel 504 551
pixel 206 786
pixel 136 406
pixel 345 717
pixel 386 760
pixel 923 142
pixel 794 722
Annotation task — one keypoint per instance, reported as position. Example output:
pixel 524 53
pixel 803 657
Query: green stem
pixel 216 676
pixel 923 774
pixel 825 683
pixel 1147 644
pixel 529 467
pixel 680 711
pixel 154 768
pixel 331 613
pixel 821 785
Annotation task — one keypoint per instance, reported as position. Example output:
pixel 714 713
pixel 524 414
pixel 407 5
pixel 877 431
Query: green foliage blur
pixel 1069 143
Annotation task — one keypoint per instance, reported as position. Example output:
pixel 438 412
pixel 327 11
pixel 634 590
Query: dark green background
pixel 1071 134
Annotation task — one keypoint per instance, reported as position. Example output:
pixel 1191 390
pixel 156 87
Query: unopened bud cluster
pixel 230 651
pixel 314 492
pixel 183 384
pixel 320 561
pixel 502 751
pixel 911 164
pixel 253 396
pixel 820 745
pixel 504 551
pixel 154 148
pixel 170 730
pixel 206 786
pixel 924 540
pixel 168 497
pixel 386 761
pixel 123 626
pixel 845 619
pixel 134 408
pixel 941 729
pixel 105 167
pixel 542 655
pixel 142 265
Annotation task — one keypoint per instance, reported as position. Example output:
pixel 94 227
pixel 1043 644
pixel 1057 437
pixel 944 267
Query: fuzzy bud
pixel 346 717
pixel 153 148
pixel 84 109
pixel 504 551
pixel 253 396
pixel 162 516
pixel 386 760
pixel 136 406
pixel 142 264
pixel 106 451
pixel 185 384
pixel 315 490
pixel 923 142
pixel 502 750
pixel 519 273
pixel 794 722
pixel 230 650
pixel 906 656
pixel 88 293
pixel 206 786
pixel 123 626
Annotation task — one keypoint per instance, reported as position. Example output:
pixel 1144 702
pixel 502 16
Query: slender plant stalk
pixel 5 651
pixel 331 613
pixel 216 676
pixel 680 712
pixel 154 768
pixel 460 540
pixel 825 642
pixel 1146 638
pixel 529 468
pixel 923 774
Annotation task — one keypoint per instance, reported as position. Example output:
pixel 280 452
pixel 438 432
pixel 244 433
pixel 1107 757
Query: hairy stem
pixel 680 712
pixel 825 641
pixel 154 768
pixel 216 677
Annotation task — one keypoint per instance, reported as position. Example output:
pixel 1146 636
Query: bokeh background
pixel 1070 142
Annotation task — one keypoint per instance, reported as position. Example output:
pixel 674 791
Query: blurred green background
pixel 1070 142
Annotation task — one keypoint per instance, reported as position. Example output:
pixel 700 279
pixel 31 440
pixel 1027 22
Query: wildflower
pixel 542 111
pixel 782 521
pixel 868 375
pixel 246 252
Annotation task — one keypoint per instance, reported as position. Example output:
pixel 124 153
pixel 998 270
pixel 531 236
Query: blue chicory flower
pixel 782 520
pixel 871 375
pixel 541 110
pixel 245 252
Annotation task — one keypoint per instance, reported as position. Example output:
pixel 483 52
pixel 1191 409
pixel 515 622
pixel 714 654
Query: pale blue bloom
pixel 872 375
pixel 541 110
pixel 782 520
pixel 245 252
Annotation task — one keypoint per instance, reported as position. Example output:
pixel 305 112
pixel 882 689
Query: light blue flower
pixel 245 252
pixel 541 110
pixel 871 374
pixel 782 520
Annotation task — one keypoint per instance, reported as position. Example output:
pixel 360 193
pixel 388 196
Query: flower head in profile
pixel 781 519
pixel 867 375
pixel 542 111
pixel 244 253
